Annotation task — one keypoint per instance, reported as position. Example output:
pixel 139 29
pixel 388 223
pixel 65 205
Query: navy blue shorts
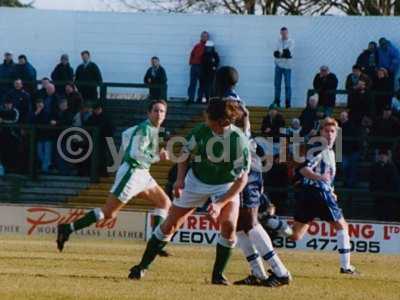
pixel 250 196
pixel 314 203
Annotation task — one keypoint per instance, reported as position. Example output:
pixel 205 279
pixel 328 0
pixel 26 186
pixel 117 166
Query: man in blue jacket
pixel 27 73
pixel 389 58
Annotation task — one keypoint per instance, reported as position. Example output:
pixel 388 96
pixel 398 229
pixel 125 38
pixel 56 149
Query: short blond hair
pixel 328 121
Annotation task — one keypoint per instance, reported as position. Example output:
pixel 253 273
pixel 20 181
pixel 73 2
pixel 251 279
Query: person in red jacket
pixel 196 57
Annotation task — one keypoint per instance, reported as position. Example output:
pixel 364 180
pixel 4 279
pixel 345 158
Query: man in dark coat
pixel 272 124
pixel 21 100
pixel 50 100
pixel 88 77
pixel 156 75
pixel 309 118
pixel 99 120
pixel 7 75
pixel 209 66
pixel 368 60
pixel 62 74
pixel 27 73
pixel 326 83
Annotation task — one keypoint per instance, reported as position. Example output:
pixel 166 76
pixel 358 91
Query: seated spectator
pixel 353 78
pixel 74 98
pixel 156 75
pixel 7 75
pixel 208 69
pixel 27 73
pixel 384 178
pixel 294 129
pixel 326 84
pixel 387 126
pixel 8 136
pixel 62 74
pixel 21 100
pixel 225 82
pixel 309 119
pixel 83 115
pixel 277 178
pixel 382 86
pixel 88 77
pixel 368 60
pixel 101 121
pixel 63 116
pixel 359 102
pixel 43 136
pixel 351 150
pixel 389 58
pixel 272 124
pixel 51 99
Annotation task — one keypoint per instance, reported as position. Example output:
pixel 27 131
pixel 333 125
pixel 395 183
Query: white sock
pixel 252 256
pixel 343 242
pixel 280 226
pixel 263 243
pixel 163 213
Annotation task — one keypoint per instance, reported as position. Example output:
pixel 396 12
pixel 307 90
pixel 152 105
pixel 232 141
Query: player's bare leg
pixel 108 211
pixel 161 236
pixel 299 230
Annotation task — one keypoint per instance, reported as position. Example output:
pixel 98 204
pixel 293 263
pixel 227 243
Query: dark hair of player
pixel 224 110
pixel 154 102
pixel 225 79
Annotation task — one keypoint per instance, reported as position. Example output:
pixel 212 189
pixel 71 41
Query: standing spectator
pixel 351 150
pixel 7 74
pixel 40 94
pixel 359 102
pixel 225 82
pixel 326 84
pixel 8 136
pixel 44 144
pixel 50 100
pixel 196 57
pixel 156 75
pixel 209 66
pixel 389 58
pixel 309 118
pixel 384 178
pixel 74 98
pixel 368 60
pixel 99 120
pixel 353 78
pixel 272 124
pixel 62 74
pixel 383 90
pixel 283 66
pixel 21 100
pixel 88 77
pixel 27 73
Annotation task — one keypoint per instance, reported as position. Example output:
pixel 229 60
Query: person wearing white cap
pixel 209 66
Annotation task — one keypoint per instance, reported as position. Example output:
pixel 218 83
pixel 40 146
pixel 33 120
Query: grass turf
pixel 31 268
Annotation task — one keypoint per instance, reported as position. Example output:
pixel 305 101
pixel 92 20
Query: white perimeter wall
pixel 122 43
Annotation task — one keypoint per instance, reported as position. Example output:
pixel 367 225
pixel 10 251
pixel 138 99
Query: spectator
pixel 80 119
pixel 225 82
pixel 7 74
pixel 27 73
pixel 209 66
pixel 387 126
pixel 50 99
pixel 351 150
pixel 359 102
pixel 353 78
pixel 272 124
pixel 99 120
pixel 388 58
pixel 62 74
pixel 63 118
pixel 74 98
pixel 383 88
pixel 309 118
pixel 294 129
pixel 368 60
pixel 156 75
pixel 40 94
pixel 283 66
pixel 44 144
pixel 8 136
pixel 21 100
pixel 276 183
pixel 196 57
pixel 384 178
pixel 326 84
pixel 88 77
